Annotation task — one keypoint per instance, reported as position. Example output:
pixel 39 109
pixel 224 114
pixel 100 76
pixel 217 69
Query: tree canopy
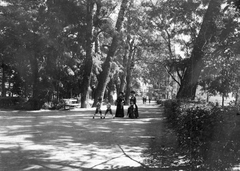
pixel 76 48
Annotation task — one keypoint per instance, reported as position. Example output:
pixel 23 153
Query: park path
pixel 73 141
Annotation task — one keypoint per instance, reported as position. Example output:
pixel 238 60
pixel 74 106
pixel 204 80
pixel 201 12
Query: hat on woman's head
pixel 133 92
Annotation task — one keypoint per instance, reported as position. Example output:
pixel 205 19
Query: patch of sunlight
pixel 147 137
pixel 180 161
pixel 137 121
pixel 95 156
pixel 78 115
pixel 71 151
pixel 64 140
pixel 8 145
pixel 44 122
pixel 62 168
pixel 14 139
pixel 86 156
pixel 32 146
pixel 105 131
pixel 26 121
pixel 70 168
pixel 2 111
pixel 65 137
pixel 71 144
pixel 67 126
pixel 46 117
pixel 18 126
pixel 5 151
pixel 19 117
pixel 116 158
pixel 22 140
pixel 136 149
pixel 82 109
pixel 150 119
pixel 126 121
pixel 54 166
pixel 33 167
pixel 98 128
pixel 236 168
pixel 40 111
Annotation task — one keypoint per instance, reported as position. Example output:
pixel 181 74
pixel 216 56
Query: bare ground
pixel 73 141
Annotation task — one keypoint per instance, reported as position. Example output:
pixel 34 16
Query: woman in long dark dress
pixel 133 108
pixel 120 104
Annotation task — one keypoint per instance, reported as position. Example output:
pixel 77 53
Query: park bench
pixel 70 103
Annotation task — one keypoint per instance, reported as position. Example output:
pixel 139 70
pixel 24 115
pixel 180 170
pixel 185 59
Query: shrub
pixel 31 104
pixel 195 126
pixel 172 111
pixel 9 102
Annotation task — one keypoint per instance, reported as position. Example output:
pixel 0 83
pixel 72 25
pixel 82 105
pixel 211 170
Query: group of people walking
pixel 145 99
pixel 132 111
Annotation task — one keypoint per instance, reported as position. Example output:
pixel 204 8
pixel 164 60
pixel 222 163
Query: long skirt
pixel 119 111
pixel 133 111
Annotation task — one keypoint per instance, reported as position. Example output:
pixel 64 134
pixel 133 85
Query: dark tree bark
pixel 130 66
pixel 110 91
pixel 104 75
pixel 35 101
pixel 189 82
pixel 88 60
pixel 124 73
pixel 223 95
pixel 3 80
pixel 35 76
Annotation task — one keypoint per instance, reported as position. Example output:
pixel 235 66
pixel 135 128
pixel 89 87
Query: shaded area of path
pixel 72 140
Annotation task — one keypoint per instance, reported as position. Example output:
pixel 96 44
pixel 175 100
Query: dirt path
pixel 72 140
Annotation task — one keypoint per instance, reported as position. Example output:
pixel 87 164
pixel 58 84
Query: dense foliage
pixel 61 49
pixel 207 136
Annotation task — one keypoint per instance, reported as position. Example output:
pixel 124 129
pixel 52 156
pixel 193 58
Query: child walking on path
pixel 98 108
pixel 109 109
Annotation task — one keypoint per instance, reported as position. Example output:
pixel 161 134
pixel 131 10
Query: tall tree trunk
pixel 223 95
pixel 123 77
pixel 110 91
pixel 104 75
pixel 88 60
pixel 35 75
pixel 25 89
pixel 236 98
pixel 35 103
pixel 207 97
pixel 124 73
pixel 130 66
pixel 3 80
pixel 189 83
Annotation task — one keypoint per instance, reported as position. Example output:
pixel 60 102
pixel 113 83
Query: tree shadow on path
pixel 72 140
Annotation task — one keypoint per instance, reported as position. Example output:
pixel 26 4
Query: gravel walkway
pixel 73 141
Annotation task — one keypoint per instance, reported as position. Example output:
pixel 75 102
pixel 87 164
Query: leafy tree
pixel 203 23
pixel 193 69
pixel 104 75
pixel 221 56
pixel 43 31
pixel 88 60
